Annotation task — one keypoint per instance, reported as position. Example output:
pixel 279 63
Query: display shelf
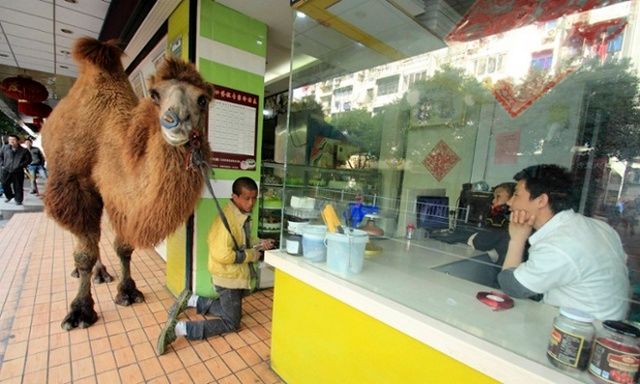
pixel 268 231
pixel 271 208
pixel 269 216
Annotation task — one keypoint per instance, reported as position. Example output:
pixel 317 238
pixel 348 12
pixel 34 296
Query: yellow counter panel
pixel 318 339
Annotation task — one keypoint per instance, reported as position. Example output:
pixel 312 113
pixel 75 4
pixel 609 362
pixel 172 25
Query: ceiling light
pixel 63 66
pixel 65 52
pixel 3 55
pixel 72 1
pixel 65 30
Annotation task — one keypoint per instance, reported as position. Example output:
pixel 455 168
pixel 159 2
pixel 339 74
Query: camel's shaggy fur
pixel 107 149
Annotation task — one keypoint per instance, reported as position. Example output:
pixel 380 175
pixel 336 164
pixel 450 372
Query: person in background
pixel 494 237
pixel 13 158
pixel 231 271
pixel 5 141
pixel 498 217
pixel 36 166
pixel 574 261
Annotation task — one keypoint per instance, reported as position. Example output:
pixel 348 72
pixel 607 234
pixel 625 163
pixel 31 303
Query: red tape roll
pixel 497 301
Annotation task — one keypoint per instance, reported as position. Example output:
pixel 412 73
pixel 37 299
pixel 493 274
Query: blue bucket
pixel 345 251
pixel 313 248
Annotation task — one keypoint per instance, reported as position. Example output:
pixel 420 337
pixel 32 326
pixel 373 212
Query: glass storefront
pixel 408 124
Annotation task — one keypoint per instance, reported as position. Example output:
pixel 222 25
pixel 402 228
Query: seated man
pixel 574 261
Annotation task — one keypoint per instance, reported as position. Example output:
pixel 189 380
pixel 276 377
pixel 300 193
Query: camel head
pixel 182 97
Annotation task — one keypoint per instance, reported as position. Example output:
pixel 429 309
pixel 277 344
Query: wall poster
pixel 507 146
pixel 233 129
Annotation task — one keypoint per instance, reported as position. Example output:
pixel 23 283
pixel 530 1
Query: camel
pixel 108 150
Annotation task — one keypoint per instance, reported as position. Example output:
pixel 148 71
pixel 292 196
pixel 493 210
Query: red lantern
pixel 34 109
pixel 24 88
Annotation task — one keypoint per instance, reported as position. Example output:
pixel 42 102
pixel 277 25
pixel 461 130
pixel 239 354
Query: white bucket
pixel 313 247
pixel 345 252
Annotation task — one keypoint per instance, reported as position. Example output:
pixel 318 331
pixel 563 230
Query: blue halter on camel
pixel 170 120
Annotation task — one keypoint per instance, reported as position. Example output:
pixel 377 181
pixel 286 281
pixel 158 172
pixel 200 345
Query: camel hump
pixel 103 54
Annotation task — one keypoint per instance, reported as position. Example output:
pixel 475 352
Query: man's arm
pixel 520 228
pixel 511 286
pixel 26 159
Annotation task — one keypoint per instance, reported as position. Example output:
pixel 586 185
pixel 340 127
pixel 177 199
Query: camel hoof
pixel 100 275
pixel 126 298
pixel 75 273
pixel 79 318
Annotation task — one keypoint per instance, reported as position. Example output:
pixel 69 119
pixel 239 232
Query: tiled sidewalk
pixel 35 292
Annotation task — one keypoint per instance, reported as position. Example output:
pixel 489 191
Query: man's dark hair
pixel 14 136
pixel 553 180
pixel 243 182
pixel 508 186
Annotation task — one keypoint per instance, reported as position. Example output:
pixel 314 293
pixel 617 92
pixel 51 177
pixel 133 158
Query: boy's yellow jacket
pixel 224 271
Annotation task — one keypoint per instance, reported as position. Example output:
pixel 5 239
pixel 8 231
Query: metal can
pixel 293 244
pixel 571 339
pixel 615 357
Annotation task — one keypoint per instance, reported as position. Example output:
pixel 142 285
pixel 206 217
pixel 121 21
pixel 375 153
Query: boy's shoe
pixel 168 334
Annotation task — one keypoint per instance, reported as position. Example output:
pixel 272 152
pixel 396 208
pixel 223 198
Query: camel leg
pixel 127 291
pixel 81 312
pixel 100 274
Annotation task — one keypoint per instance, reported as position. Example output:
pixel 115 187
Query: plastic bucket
pixel 313 248
pixel 345 252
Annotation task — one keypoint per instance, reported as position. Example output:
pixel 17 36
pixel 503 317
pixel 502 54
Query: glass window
pixel 481 66
pixel 491 65
pixel 615 45
pixel 477 104
pixel 542 60
pixel 387 85
pixel 499 62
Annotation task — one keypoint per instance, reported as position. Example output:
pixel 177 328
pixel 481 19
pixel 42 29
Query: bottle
pixel 293 240
pixel 571 339
pixel 410 228
pixel 616 353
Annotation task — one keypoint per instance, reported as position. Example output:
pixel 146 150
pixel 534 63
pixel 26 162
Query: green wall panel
pixel 228 27
pixel 232 28
pixel 231 77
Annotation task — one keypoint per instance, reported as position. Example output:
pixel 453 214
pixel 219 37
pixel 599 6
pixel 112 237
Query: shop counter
pixel 401 321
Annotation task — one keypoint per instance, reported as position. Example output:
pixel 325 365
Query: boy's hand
pixel 264 244
pixel 267 243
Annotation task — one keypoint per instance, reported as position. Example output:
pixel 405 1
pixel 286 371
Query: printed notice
pixel 233 123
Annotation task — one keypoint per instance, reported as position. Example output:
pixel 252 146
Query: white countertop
pixel 399 288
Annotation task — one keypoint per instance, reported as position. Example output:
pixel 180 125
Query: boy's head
pixel 549 182
pixel 502 193
pixel 244 194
